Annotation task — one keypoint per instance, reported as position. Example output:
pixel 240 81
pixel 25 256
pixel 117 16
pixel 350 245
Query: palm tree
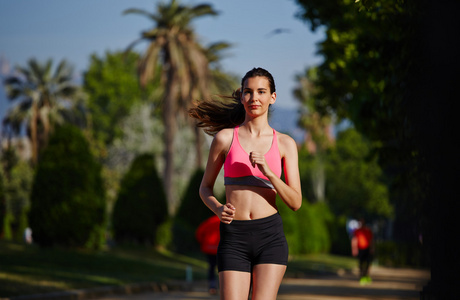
pixel 221 82
pixel 175 51
pixel 319 137
pixel 40 96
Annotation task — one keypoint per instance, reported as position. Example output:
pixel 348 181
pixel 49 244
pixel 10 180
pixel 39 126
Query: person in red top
pixel 362 247
pixel 208 235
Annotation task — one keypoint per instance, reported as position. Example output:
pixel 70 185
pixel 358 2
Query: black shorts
pixel 245 243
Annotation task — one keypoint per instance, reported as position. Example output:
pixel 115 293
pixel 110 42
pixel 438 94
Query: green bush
pixel 191 202
pixel 191 212
pixel 307 230
pixel 2 204
pixel 164 235
pixel 398 254
pixel 141 205
pixel 68 199
pixel 340 240
pixel 18 189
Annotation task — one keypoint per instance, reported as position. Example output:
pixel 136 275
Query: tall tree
pixel 184 69
pixel 68 205
pixel 319 130
pixel 363 192
pixel 222 83
pixel 368 55
pixel 392 67
pixel 40 95
pixel 112 86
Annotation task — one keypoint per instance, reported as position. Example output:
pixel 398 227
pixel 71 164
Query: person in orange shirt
pixel 363 248
pixel 208 235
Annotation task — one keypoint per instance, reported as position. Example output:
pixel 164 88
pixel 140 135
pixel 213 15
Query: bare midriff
pixel 251 202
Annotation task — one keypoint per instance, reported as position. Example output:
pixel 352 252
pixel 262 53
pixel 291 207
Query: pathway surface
pixel 388 284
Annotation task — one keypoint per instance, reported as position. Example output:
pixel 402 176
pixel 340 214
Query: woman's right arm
pixel 219 147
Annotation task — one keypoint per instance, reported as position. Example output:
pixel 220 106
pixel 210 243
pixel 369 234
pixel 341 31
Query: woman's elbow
pixel 205 192
pixel 296 205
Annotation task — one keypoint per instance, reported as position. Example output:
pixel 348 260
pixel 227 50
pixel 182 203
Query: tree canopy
pixel 356 186
pixel 175 51
pixel 39 94
pixel 113 88
pixel 369 55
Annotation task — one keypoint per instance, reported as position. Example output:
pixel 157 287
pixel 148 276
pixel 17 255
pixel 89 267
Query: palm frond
pixel 139 12
pixel 202 10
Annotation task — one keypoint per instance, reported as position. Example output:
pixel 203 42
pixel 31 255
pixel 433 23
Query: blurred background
pixel 97 150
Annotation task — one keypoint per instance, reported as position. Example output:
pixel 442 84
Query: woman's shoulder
pixel 285 139
pixel 224 134
pixel 224 137
pixel 286 142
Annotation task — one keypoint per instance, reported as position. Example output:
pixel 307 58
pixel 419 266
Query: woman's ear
pixel 273 100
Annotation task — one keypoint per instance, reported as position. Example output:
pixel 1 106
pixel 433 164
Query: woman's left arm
pixel 289 191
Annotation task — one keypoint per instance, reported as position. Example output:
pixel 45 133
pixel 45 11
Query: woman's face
pixel 256 97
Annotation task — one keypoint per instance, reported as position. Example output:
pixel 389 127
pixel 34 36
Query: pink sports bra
pixel 238 170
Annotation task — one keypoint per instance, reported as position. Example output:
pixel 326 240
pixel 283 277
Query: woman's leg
pixel 266 281
pixel 234 285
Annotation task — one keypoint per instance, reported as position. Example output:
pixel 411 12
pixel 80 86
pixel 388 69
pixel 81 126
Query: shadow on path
pixel 388 284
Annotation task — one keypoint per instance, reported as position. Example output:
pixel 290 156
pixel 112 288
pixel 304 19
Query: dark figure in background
pixel 208 235
pixel 362 247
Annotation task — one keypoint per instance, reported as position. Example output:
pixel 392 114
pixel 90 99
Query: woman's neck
pixel 256 126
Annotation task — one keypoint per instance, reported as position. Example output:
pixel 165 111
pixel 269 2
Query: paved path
pixel 388 284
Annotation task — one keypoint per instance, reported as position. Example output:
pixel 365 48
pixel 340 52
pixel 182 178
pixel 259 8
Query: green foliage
pixel 190 214
pixel 340 240
pixel 68 198
pixel 191 202
pixel 113 88
pixel 141 205
pixel 355 185
pixel 371 75
pixel 17 200
pixel 306 166
pixel 43 98
pixel 307 230
pixel 164 235
pixel 2 202
pixel 392 254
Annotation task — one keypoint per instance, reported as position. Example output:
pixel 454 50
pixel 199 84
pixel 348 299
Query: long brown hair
pixel 214 115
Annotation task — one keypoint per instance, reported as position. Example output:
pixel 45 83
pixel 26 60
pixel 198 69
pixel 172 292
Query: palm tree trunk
pixel 169 121
pixel 318 175
pixel 34 133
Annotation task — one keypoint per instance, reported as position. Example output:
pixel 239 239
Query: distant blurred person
pixel 362 246
pixel 28 236
pixel 208 235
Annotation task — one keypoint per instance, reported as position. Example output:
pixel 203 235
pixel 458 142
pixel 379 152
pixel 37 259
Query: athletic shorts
pixel 245 243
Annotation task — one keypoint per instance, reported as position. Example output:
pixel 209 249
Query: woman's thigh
pixel 266 281
pixel 234 285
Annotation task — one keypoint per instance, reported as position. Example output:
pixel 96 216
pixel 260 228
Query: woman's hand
pixel 226 213
pixel 258 159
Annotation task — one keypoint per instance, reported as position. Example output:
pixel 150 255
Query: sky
pixel 73 30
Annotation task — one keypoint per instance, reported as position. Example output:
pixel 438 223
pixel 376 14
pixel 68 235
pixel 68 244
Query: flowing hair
pixel 214 115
